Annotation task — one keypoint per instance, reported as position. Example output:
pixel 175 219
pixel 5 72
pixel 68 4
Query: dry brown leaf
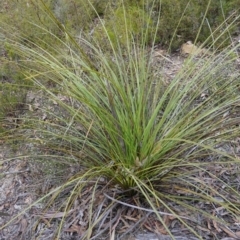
pixel 209 224
pixel 172 217
pixel 148 227
pixel 156 226
pixel 159 228
pixel 24 225
pixel 160 53
pixel 99 199
pixel 46 222
pixel 126 224
pixel 76 228
pixel 229 232
pixel 203 229
pixel 135 213
pixel 216 226
pixel 131 218
pixel 56 214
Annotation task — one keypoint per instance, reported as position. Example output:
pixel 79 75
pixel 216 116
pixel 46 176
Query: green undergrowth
pixel 128 135
pixel 176 21
pixel 13 90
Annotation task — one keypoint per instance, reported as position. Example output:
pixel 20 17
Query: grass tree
pixel 162 150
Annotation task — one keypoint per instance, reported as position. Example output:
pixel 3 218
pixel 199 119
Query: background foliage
pixel 78 16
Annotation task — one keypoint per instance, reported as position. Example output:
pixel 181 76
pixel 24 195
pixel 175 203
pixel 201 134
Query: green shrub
pixel 19 18
pixel 124 22
pixel 13 90
pixel 78 15
pixel 177 21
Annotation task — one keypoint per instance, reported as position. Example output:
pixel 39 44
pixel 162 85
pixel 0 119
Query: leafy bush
pixel 178 21
pixel 181 21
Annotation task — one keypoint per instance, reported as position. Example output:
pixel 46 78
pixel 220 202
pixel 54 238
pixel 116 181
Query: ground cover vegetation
pixel 141 149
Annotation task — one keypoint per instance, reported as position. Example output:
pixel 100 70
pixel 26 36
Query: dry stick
pixel 106 226
pixel 14 172
pixel 135 225
pixel 145 209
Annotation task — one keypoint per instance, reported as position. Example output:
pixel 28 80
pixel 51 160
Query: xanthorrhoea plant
pixel 125 127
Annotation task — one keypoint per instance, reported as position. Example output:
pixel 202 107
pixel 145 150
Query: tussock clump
pixel 137 143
